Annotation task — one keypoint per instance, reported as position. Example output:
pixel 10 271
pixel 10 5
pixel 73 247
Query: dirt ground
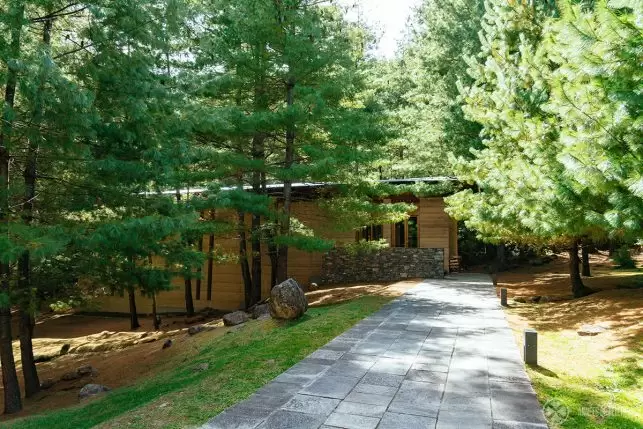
pixel 121 356
pixel 617 306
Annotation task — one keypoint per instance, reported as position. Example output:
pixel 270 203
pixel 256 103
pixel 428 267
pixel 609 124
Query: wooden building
pixel 221 285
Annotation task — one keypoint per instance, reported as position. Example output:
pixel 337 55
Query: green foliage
pixel 421 93
pixel 622 257
pixel 537 176
pixel 364 247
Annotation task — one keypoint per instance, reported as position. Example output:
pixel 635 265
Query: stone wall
pixel 390 264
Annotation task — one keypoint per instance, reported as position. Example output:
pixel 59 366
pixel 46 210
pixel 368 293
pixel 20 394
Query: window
pixel 406 232
pixel 371 233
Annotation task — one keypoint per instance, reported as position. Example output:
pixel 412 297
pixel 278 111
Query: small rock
pixel 261 311
pixel 65 349
pixel 164 404
pixel 193 330
pixel 287 300
pixel 86 370
pixel 313 286
pixel 535 299
pixel 235 318
pixel 201 367
pixel 167 344
pixel 48 383
pixel 89 390
pixel 590 330
pixel 69 376
pixel 520 299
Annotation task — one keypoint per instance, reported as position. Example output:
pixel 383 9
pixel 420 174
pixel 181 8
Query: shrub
pixel 622 258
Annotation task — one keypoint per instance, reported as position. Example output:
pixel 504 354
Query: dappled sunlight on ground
pixel 332 294
pixel 602 371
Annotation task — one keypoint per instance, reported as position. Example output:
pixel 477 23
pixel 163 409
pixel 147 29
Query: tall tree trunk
pixel 210 267
pixel 501 257
pixel 29 371
pixel 243 260
pixel 12 400
pixel 133 314
pixel 189 302
pixel 258 154
pixel 585 260
pixel 199 271
pixel 578 288
pixel 155 317
pixel 282 254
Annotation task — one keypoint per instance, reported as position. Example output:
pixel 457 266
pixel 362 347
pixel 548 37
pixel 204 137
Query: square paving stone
pixel 463 420
pixel 430 366
pixel 375 389
pixel 233 421
pixel 331 386
pixel 405 421
pixel 466 402
pixel 426 376
pixel 359 409
pixel 350 368
pixel 369 398
pixel 326 354
pixel 409 402
pixel 351 421
pixel 382 379
pixel 516 406
pixel 311 405
pixel 359 357
pixel 283 419
pixel 392 366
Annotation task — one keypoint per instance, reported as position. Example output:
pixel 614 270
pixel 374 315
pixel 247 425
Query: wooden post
pixel 531 347
pixel 503 297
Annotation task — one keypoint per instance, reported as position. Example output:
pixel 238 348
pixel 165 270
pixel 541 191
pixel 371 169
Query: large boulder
pixel 235 318
pixel 287 300
pixel 90 390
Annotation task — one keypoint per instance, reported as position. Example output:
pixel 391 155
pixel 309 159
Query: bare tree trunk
pixel 133 314
pixel 29 371
pixel 189 302
pixel 155 317
pixel 282 254
pixel 585 260
pixel 199 272
pixel 258 154
pixel 12 399
pixel 578 288
pixel 243 261
pixel 210 267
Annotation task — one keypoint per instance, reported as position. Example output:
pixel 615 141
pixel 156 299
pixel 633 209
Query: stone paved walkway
pixel 441 356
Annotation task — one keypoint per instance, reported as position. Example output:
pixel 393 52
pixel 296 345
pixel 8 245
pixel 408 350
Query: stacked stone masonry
pixel 390 264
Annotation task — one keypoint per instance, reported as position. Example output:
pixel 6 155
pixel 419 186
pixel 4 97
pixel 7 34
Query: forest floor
pixel 595 382
pixel 133 360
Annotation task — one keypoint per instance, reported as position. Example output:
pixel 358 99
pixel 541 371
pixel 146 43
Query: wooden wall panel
pixel 436 229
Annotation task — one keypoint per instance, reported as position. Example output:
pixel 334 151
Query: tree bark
pixel 133 314
pixel 210 267
pixel 501 257
pixel 585 260
pixel 258 154
pixel 155 317
pixel 189 302
pixel 578 288
pixel 198 271
pixel 282 253
pixel 29 371
pixel 12 400
pixel 243 260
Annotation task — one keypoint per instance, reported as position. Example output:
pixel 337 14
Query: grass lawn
pixel 598 380
pixel 239 363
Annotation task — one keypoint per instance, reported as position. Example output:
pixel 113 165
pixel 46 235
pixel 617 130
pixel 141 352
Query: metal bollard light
pixel 531 347
pixel 503 297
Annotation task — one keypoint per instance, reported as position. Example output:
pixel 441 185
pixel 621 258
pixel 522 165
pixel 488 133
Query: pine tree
pixel 420 89
pixel 529 190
